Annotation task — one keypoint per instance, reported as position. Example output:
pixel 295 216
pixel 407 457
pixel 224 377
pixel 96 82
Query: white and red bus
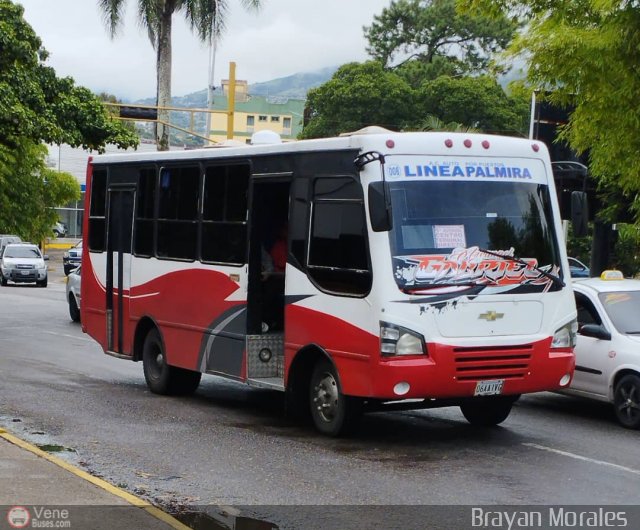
pixel 422 270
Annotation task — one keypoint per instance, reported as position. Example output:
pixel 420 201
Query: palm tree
pixel 206 18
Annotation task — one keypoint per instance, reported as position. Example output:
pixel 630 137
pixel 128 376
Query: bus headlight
pixel 565 337
pixel 396 340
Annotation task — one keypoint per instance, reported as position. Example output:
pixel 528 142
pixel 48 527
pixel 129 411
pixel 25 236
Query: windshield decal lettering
pixel 467 264
pixel 469 170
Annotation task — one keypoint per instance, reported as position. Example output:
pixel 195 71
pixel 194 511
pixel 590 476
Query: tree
pixel 477 102
pixel 36 106
pixel 432 34
pixel 587 53
pixel 356 96
pixel 206 18
pixel 367 94
pixel 29 191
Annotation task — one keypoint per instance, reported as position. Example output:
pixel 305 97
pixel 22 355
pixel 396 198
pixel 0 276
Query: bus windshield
pixel 440 229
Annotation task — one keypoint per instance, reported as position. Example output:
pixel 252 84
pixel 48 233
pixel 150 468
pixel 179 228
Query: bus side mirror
pixel 379 207
pixel 579 213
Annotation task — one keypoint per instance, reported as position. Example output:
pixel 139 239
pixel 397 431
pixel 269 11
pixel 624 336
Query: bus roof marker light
pixel 467 143
pixel 486 144
pixel 448 142
pixel 390 143
pixel 535 147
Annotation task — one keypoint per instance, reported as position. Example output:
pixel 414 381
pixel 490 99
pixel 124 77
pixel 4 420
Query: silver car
pixel 23 263
pixel 73 294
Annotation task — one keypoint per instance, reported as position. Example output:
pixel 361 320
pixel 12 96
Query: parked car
pixel 23 263
pixel 59 230
pixel 608 344
pixel 73 294
pixel 72 258
pixel 578 269
pixel 5 239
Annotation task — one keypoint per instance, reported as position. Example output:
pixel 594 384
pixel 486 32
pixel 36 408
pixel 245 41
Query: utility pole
pixel 210 88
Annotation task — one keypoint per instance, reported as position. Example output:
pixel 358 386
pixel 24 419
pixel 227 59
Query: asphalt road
pixel 229 445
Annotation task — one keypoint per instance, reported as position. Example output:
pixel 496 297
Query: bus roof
pixel 368 139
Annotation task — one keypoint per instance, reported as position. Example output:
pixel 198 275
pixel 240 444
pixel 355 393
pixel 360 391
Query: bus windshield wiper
pixel 555 279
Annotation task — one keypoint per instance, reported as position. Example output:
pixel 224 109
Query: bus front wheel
pixel 487 411
pixel 332 412
pixel 162 378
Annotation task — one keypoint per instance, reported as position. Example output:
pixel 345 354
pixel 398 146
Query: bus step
pixel 271 383
pixel 265 356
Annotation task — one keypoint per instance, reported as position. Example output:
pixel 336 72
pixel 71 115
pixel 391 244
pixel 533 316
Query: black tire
pixel 67 270
pixel 332 412
pixel 487 411
pixel 626 401
pixel 162 378
pixel 42 283
pixel 74 311
pixel 3 281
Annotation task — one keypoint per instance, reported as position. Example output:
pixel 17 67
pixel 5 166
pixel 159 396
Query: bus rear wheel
pixel 162 378
pixel 332 412
pixel 487 411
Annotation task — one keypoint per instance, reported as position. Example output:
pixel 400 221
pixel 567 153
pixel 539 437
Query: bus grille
pixel 495 362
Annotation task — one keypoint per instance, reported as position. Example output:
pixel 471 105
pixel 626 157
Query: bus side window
pixel 338 259
pixel 97 211
pixel 143 244
pixel 224 214
pixel 178 212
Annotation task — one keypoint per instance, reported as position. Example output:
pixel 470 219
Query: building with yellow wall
pixel 255 113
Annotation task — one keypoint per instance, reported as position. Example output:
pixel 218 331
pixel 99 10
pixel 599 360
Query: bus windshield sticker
pixel 467 265
pixel 461 168
pixel 449 236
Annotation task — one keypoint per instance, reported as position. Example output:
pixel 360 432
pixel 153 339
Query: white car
pixel 608 344
pixel 23 263
pixel 73 294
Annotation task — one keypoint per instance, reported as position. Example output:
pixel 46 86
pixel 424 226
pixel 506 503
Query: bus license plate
pixel 489 388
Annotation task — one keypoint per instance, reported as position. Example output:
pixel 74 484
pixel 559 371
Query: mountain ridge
pixel 293 86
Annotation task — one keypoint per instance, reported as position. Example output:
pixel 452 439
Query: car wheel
pixel 67 270
pixel 3 280
pixel 487 411
pixel 162 378
pixel 42 283
pixel 626 401
pixel 74 311
pixel 332 412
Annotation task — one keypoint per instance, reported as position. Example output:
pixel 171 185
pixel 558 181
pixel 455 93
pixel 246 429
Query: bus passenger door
pixel 268 231
pixel 118 281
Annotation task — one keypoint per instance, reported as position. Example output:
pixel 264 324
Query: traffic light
pixel 139 113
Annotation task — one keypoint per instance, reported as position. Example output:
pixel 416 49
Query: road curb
pixel 102 484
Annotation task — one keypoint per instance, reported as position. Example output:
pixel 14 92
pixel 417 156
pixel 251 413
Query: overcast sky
pixel 283 38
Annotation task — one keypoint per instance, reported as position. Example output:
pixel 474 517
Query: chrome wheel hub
pixel 326 397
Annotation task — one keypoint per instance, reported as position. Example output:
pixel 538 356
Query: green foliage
pixel 587 52
pixel 477 102
pixel 367 94
pixel 432 32
pixel 29 191
pixel 36 106
pixel 580 247
pixel 626 255
pixel 356 96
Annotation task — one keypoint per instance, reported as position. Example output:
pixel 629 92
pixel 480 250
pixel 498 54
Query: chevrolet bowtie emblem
pixel 491 316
